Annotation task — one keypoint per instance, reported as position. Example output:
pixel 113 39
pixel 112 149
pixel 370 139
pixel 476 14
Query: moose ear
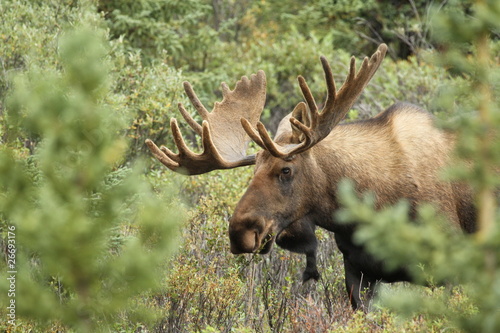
pixel 300 113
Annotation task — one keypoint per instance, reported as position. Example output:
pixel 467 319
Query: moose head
pixel 296 173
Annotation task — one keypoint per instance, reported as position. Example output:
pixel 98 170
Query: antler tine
pixel 269 144
pixel 306 92
pixel 252 133
pixel 179 141
pixel 312 107
pixel 191 122
pixel 173 156
pixel 352 70
pixel 195 100
pixel 208 143
pixel 302 115
pixel 331 90
pixel 160 156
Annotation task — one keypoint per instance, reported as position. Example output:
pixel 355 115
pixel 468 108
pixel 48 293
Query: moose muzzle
pixel 250 236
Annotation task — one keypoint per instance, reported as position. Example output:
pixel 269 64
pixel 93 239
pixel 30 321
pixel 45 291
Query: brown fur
pixel 398 154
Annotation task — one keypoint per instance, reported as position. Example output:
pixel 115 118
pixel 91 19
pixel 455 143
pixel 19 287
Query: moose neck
pixel 360 151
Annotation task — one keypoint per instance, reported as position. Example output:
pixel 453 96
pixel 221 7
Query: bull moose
pixel 396 155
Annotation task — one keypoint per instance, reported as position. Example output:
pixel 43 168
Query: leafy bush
pixel 29 34
pixel 156 27
pixel 146 96
pixel 87 237
pixel 274 36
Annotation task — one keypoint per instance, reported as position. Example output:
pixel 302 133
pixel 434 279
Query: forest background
pixel 97 236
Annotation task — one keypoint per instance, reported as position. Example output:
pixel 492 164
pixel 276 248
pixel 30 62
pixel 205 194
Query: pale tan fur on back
pixel 397 154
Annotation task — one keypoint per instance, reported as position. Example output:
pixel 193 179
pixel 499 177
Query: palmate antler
pixel 224 140
pixel 309 126
pixel 224 130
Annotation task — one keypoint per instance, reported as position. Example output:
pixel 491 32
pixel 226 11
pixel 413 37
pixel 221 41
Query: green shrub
pixel 29 34
pixel 88 237
pixel 146 96
pixel 158 27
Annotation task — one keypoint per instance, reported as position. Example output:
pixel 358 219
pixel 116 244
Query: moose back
pixel 397 155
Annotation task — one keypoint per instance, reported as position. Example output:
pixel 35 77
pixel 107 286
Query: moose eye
pixel 286 174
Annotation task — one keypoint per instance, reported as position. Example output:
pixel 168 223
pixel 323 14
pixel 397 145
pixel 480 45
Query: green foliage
pixel 155 27
pixel 71 128
pixel 29 33
pixel 87 235
pixel 351 25
pixel 433 252
pixel 146 96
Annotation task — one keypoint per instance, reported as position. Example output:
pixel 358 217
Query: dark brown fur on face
pixel 396 155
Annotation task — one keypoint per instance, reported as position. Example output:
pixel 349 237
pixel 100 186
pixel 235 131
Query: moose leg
pixel 311 271
pixel 359 287
pixel 299 237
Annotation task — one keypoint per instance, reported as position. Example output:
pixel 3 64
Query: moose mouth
pixel 257 240
pixel 265 245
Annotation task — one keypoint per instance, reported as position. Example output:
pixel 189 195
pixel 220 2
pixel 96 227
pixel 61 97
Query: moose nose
pixel 242 241
pixel 237 249
pixel 245 232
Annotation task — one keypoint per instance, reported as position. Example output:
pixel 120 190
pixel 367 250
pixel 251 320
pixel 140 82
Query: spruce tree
pixel 84 237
